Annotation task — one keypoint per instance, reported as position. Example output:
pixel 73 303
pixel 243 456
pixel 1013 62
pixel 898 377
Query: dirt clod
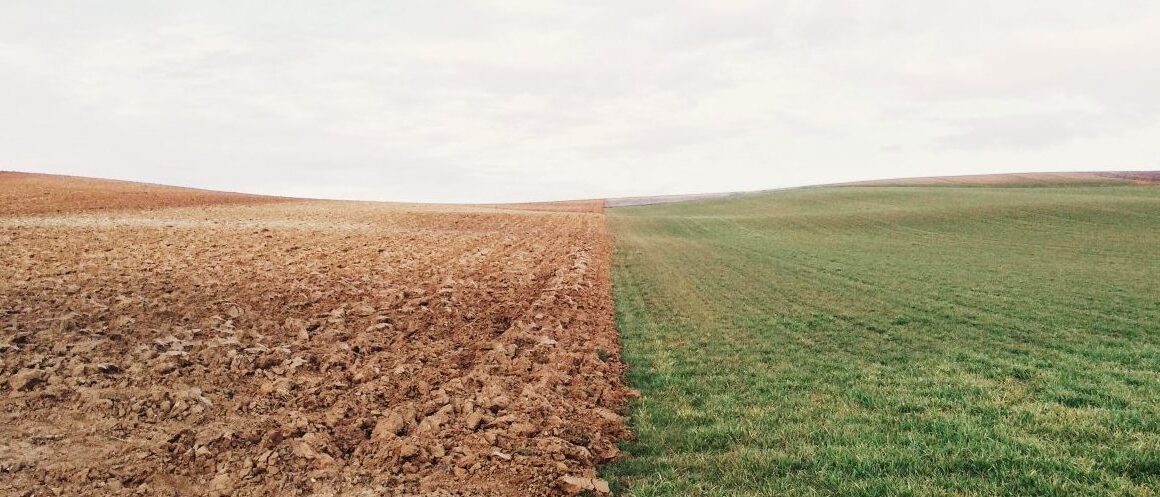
pixel 572 485
pixel 26 379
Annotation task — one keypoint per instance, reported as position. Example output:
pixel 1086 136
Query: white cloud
pixel 512 100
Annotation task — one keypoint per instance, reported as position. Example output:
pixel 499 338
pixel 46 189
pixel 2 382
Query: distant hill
pixel 1009 179
pixel 663 199
pixel 1020 179
pixel 35 193
pixel 32 193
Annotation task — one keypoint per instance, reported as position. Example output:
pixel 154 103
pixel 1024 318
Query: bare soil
pixel 31 193
pixel 1141 177
pixel 301 347
pixel 592 206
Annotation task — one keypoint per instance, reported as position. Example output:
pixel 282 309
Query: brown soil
pixel 593 206
pixel 1141 177
pixel 303 348
pixel 30 193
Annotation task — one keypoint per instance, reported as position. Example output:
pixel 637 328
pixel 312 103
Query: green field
pixel 893 341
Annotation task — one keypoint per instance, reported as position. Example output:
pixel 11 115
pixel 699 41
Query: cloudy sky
pixel 519 100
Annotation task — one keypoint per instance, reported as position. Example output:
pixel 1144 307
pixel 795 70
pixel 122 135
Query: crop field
pixel 242 345
pixel 893 341
pixel 1034 180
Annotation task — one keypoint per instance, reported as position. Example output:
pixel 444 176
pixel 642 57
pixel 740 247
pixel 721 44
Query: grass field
pixel 893 341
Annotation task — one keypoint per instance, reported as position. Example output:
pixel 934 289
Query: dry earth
pixel 30 193
pixel 593 206
pixel 1140 177
pixel 301 347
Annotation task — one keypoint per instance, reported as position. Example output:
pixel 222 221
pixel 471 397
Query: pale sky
pixel 506 100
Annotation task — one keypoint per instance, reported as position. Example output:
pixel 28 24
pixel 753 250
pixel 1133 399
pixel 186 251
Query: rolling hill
pixel 894 340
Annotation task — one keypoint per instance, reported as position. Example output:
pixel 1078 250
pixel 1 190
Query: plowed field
pixel 30 193
pixel 302 347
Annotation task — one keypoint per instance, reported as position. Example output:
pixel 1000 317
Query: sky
pixel 505 100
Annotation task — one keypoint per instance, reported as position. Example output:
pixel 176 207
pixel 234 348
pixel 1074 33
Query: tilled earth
pixel 31 193
pixel 307 348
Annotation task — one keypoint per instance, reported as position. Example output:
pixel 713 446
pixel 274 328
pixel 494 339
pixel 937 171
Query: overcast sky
pixel 519 100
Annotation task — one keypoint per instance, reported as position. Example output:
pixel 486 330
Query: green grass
pixel 893 341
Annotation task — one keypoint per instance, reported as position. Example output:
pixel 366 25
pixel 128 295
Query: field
pixel 1027 179
pixel 162 341
pixel 28 193
pixel 893 341
pixel 946 337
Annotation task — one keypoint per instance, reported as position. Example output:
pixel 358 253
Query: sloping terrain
pixel 1024 179
pixel 1138 177
pixel 663 199
pixel 1110 178
pixel 31 193
pixel 893 341
pixel 590 206
pixel 302 347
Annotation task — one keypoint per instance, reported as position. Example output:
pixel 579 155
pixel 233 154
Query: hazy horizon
pixel 498 101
